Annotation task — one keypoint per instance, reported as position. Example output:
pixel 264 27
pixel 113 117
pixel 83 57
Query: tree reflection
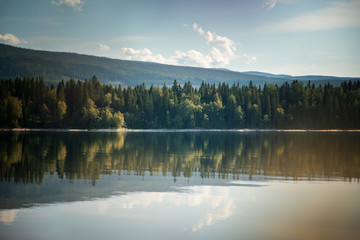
pixel 26 157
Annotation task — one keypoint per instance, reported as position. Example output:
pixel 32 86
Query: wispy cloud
pixel 75 4
pixel 336 15
pixel 11 39
pixel 269 4
pixel 228 50
pixel 103 47
pixel 220 55
pixel 249 59
pixel 198 29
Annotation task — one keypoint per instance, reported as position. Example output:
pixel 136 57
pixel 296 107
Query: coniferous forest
pixel 29 103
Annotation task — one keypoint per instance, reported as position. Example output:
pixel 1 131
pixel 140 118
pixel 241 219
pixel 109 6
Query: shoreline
pixel 244 130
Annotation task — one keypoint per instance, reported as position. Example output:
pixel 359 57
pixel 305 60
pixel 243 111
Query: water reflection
pixel 7 217
pixel 27 157
pixel 215 200
pixel 281 210
pixel 185 185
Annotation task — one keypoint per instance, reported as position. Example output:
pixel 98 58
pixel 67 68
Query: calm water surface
pixel 176 185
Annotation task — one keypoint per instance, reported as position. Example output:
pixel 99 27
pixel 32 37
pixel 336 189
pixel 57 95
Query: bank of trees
pixel 89 104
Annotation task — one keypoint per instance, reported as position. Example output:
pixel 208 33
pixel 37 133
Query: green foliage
pixel 90 114
pixel 90 104
pixel 61 110
pixel 10 111
pixel 118 120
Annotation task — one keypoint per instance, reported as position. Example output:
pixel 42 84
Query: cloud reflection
pixel 221 207
pixel 141 199
pixel 212 203
pixel 7 217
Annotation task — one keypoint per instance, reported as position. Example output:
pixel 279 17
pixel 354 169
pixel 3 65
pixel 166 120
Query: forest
pixel 30 103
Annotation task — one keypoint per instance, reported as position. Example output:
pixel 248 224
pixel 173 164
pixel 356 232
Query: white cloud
pixel 11 39
pixel 75 4
pixel 211 37
pixel 198 29
pixel 336 15
pixel 249 59
pixel 269 4
pixel 191 58
pixel 104 47
pixel 188 58
pixel 142 55
pixel 225 50
pixel 220 55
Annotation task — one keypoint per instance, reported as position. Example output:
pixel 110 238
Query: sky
pixel 295 37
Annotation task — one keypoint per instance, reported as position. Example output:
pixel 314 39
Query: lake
pixel 179 185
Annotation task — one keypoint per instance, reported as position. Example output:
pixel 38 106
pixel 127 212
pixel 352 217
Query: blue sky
pixel 297 37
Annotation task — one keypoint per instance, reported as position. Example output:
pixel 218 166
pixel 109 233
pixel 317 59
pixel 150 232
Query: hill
pixel 55 66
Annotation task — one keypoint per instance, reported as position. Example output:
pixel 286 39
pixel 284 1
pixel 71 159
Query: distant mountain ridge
pixel 301 78
pixel 55 66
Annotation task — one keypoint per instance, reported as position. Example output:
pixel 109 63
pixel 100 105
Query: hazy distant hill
pixel 313 78
pixel 54 66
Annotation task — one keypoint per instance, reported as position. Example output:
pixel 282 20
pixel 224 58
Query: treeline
pixel 89 104
pixel 28 157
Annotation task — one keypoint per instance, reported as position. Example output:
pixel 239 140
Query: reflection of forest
pixel 26 157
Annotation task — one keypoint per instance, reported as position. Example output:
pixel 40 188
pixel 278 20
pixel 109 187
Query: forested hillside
pixel 90 104
pixel 56 66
